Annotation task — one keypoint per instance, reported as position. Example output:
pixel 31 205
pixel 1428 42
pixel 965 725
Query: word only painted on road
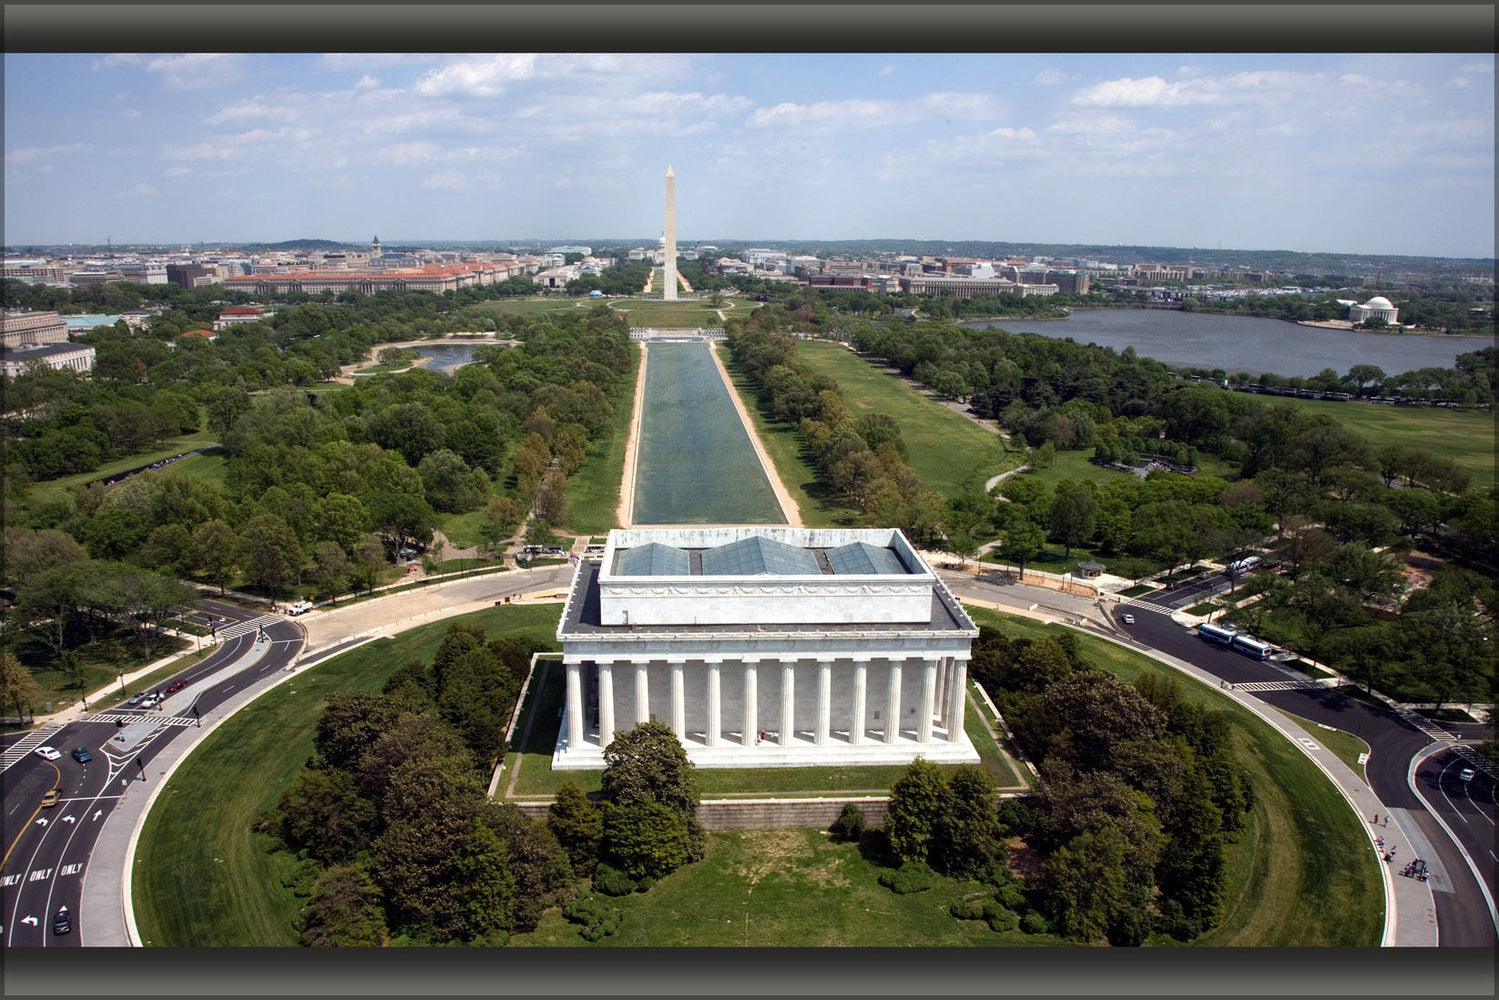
pixel 10 880
pixel 40 875
pixel 72 869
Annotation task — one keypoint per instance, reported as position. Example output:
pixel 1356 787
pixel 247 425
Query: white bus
pixel 1216 634
pixel 1242 566
pixel 1252 647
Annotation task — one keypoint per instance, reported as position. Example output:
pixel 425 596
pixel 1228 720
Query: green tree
pixel 344 911
pixel 919 799
pixel 270 552
pixel 216 552
pixel 368 561
pixel 326 813
pixel 1086 884
pixel 578 826
pixel 648 764
pixel 967 837
pixel 17 686
pixel 1073 510
pixel 646 839
pixel 1023 540
pixel 485 889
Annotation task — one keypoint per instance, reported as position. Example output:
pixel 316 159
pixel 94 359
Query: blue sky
pixel 1389 153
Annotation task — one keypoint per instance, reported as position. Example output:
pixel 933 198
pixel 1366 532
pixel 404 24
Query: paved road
pixel 48 851
pixel 1463 915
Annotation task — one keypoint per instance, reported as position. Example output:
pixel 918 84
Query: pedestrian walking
pixel 1387 819
pixel 1375 820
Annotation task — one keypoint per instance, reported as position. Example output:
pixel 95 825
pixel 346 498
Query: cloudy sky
pixel 1382 153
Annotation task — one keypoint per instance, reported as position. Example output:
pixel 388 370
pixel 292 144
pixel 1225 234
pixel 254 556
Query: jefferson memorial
pixel 766 647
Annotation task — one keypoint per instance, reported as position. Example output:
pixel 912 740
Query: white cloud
pixel 866 112
pixel 888 69
pixel 131 113
pixel 118 59
pixel 486 77
pixel 31 154
pixel 1051 78
pixel 176 172
pixel 198 69
pixel 140 191
pixel 366 82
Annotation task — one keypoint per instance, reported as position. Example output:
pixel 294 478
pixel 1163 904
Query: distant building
pixel 188 275
pixel 236 315
pixel 15 361
pixel 1378 307
pixel 957 287
pixel 22 328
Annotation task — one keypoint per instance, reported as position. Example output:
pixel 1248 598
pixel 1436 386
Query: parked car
pixel 48 753
pixel 81 755
pixel 176 686
pixel 150 701
pixel 63 922
pixel 137 698
pixel 300 607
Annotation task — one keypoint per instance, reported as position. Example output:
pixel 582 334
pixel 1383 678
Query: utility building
pixel 766 647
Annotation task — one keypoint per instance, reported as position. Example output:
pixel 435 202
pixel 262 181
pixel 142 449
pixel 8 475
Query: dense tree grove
pixel 1139 791
pixel 862 458
pixel 393 811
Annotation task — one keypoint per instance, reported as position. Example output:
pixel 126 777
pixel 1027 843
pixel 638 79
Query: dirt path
pixel 627 484
pixel 789 509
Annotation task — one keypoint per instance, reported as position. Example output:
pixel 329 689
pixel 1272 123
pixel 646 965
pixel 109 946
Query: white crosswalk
pixel 23 746
pixel 1276 686
pixel 130 718
pixel 242 628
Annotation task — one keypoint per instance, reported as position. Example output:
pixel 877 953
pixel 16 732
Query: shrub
pixel 1010 895
pixel 1003 920
pixel 1035 923
pixel 913 876
pixel 850 825
pixel 611 881
pixel 598 920
pixel 974 909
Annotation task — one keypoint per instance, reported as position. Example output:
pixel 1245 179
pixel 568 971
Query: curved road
pixel 47 850
pixel 1463 901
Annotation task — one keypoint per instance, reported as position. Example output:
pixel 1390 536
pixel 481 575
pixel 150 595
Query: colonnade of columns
pixel 939 702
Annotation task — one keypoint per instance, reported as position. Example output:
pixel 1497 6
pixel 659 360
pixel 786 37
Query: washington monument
pixel 669 290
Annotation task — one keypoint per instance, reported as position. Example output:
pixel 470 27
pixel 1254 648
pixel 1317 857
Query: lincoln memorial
pixel 766 647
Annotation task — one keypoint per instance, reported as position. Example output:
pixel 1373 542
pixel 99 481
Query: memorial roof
pixel 585 617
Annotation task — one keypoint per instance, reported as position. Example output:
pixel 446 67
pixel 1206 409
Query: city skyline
pixel 1386 154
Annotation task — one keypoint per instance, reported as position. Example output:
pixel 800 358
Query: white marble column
pixel 892 710
pixel 642 692
pixel 678 699
pixel 715 706
pixel 575 724
pixel 856 717
pixel 606 703
pixel 751 703
pixel 937 701
pixel 928 701
pixel 957 699
pixel 788 702
pixel 824 700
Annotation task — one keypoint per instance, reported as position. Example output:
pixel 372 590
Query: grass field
pixel 1464 436
pixel 202 876
pixel 946 449
pixel 53 489
pixel 594 488
pixel 779 888
pixel 534 306
pixel 820 506
pixel 1346 746
pixel 682 314
pixel 1074 465
pixel 1301 873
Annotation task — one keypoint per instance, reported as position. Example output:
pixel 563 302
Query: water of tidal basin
pixel 695 463
pixel 1246 343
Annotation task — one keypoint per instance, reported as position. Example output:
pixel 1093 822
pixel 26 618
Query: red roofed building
pixel 239 314
pixel 205 334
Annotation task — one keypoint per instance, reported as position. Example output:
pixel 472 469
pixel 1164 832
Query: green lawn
pixel 202 876
pixel 594 488
pixel 462 529
pixel 1074 465
pixel 820 506
pixel 53 489
pixel 946 449
pixel 1464 436
pixel 780 888
pixel 1345 746
pixel 1301 873
pixel 682 314
pixel 533 306
pixel 115 651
